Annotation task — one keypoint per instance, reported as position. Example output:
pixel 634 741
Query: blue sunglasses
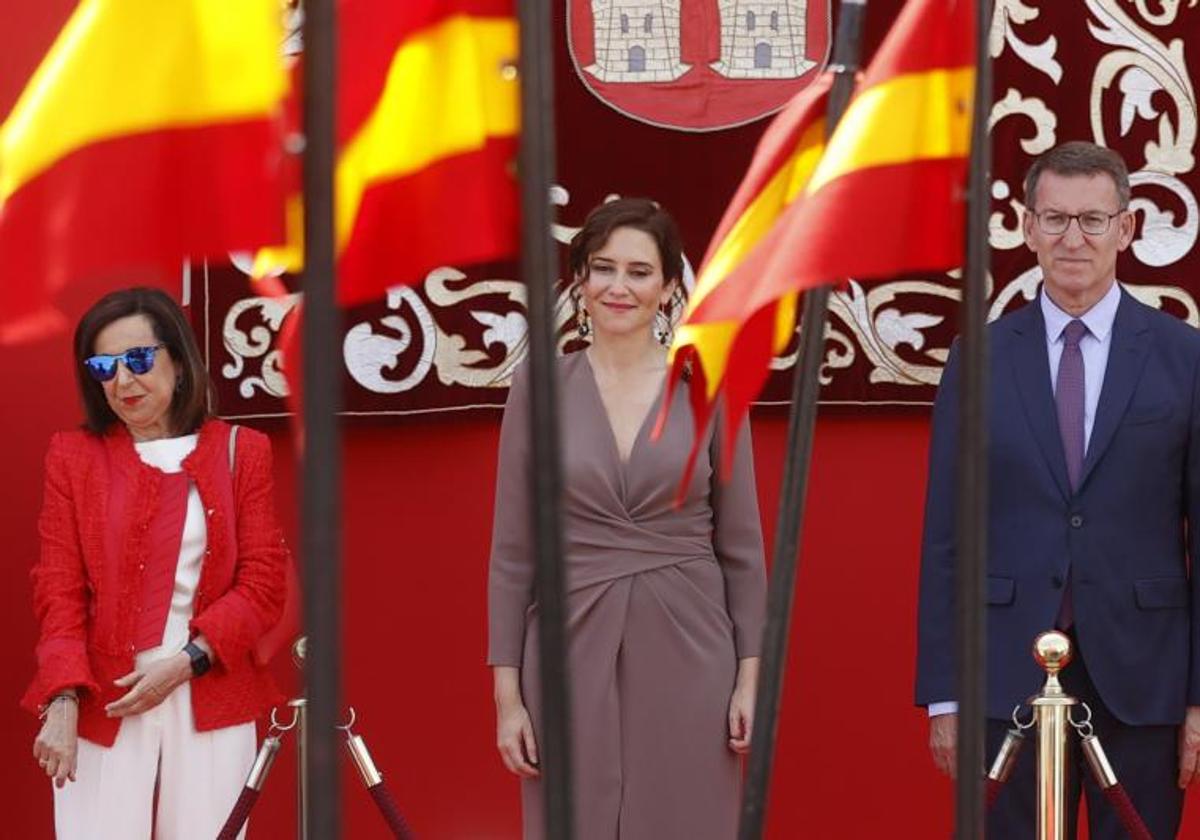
pixel 138 360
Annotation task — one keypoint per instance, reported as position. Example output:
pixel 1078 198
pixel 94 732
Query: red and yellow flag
pixel 428 114
pixel 783 163
pixel 885 196
pixel 149 132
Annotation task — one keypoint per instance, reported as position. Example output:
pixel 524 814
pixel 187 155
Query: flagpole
pixel 847 49
pixel 539 270
pixel 972 456
pixel 320 816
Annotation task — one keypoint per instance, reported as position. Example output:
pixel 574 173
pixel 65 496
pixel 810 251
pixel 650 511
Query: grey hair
pixel 1079 157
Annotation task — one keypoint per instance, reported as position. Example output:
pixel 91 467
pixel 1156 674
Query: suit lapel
pixel 1126 358
pixel 1031 369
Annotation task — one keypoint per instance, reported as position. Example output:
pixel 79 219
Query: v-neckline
pixel 622 463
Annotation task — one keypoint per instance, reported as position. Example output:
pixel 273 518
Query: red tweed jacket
pixel 84 598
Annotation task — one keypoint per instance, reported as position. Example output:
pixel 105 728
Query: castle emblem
pixel 697 64
pixel 761 39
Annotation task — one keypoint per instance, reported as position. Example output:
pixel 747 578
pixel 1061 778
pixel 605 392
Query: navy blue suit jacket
pixel 1123 532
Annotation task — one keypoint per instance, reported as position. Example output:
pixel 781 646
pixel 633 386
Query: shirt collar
pixel 1099 319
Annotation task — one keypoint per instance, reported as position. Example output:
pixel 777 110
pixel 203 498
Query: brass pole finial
pixel 1052 650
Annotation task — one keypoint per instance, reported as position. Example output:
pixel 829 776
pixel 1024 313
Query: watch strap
pixel 200 661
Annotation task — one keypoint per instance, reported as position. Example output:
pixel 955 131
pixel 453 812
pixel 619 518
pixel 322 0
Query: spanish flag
pixel 149 132
pixel 428 114
pixel 782 165
pixel 885 196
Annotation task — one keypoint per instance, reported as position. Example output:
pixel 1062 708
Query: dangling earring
pixel 664 331
pixel 583 322
pixel 664 318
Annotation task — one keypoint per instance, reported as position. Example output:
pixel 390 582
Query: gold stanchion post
pixel 300 704
pixel 1051 708
pixel 355 745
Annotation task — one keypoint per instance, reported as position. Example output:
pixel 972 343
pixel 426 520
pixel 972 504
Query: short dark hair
pixel 1079 157
pixel 637 213
pixel 192 402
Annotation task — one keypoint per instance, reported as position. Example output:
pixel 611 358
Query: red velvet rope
pixel 239 814
pixel 391 813
pixel 1128 815
pixel 994 786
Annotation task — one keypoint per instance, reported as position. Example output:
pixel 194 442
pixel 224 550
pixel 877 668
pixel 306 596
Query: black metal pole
pixel 539 268
pixel 320 519
pixel 972 456
pixel 802 420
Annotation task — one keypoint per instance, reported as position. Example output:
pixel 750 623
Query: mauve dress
pixel 661 603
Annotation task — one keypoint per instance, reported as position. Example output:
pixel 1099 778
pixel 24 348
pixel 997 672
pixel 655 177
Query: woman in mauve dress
pixel 665 603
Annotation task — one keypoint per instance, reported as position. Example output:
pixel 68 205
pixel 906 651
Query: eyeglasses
pixel 1093 222
pixel 138 360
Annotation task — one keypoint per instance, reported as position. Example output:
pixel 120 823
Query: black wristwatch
pixel 200 661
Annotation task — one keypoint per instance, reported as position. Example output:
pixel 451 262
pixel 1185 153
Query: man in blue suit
pixel 1093 505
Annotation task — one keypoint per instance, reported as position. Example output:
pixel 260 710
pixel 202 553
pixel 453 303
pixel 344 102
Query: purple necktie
pixel 1068 398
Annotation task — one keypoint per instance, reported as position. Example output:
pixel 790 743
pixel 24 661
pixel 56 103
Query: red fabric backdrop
pixel 1100 70
pixel 852 760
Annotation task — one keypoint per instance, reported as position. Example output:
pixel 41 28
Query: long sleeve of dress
pixel 511 567
pixel 738 544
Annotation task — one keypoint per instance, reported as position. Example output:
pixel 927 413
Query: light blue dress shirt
pixel 1094 346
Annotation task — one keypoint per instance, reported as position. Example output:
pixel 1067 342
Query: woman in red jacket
pixel 161 566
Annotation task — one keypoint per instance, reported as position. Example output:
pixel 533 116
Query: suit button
pixel 1057 581
pixel 1076 520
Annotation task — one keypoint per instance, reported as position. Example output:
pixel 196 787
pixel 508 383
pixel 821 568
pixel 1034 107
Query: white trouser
pixel 199 776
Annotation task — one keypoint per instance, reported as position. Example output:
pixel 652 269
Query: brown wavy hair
pixel 637 213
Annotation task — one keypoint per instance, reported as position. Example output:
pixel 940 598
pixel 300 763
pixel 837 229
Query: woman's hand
pixel 514 739
pixel 741 705
pixel 151 685
pixel 514 729
pixel 56 744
